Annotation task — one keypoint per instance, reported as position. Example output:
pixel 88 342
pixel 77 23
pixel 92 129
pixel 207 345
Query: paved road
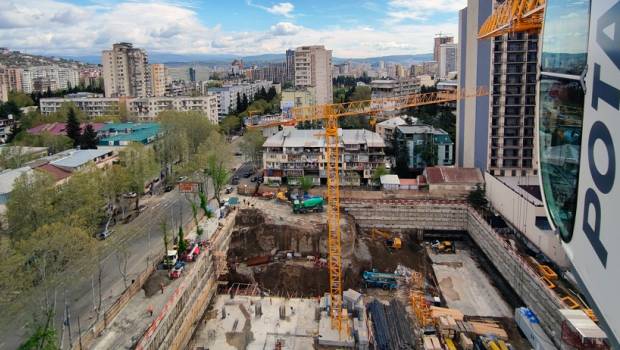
pixel 142 239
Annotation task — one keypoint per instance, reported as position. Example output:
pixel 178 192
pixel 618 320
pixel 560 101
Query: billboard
pixel 188 187
pixel 595 243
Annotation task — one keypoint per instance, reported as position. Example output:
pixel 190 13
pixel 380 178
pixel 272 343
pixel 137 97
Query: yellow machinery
pixel 329 114
pixel 391 242
pixel 513 16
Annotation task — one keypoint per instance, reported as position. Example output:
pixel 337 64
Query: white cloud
pixel 281 9
pixel 59 28
pixel 285 28
pixel 422 9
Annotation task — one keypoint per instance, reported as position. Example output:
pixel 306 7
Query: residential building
pixel 297 98
pixel 386 128
pixel 59 128
pixel 91 106
pixel 122 134
pixel 44 78
pixel 292 154
pixel 447 59
pixel 10 79
pixel 441 39
pixel 179 88
pixel 474 67
pixel 148 108
pixel 158 79
pixel 513 105
pixel 313 67
pixel 383 88
pixel 399 72
pixel 75 159
pixel 4 88
pixel 425 68
pixel 226 95
pixel 423 145
pixel 273 72
pixel 126 71
pixel 91 76
pixel 290 66
pixel 6 128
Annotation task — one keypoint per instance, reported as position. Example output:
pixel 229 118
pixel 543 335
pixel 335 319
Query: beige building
pixel 292 154
pixel 297 98
pixel 386 128
pixel 12 77
pixel 158 79
pixel 126 71
pixel 440 40
pixel 147 109
pixel 313 67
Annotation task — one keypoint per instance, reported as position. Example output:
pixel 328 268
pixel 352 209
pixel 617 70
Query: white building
pixel 148 108
pixel 313 67
pixel 386 128
pixel 91 106
pixel 382 88
pixel 447 59
pixel 42 78
pixel 227 94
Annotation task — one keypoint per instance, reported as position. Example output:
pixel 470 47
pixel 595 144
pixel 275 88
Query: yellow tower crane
pixel 513 16
pixel 329 114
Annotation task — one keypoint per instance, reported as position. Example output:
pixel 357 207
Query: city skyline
pixel 351 29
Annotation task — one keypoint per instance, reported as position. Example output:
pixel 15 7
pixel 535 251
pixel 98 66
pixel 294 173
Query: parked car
pixel 177 270
pixel 142 208
pixel 254 178
pixel 130 195
pixel 181 178
pixel 104 234
pixel 228 189
pixel 238 154
pixel 247 174
pixel 235 180
pixel 192 252
pixel 168 188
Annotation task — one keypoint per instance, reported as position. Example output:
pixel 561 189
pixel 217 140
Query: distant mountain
pixel 180 60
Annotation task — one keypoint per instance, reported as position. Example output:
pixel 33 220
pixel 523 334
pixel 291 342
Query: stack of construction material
pixel 392 327
pixel 437 311
pixel 431 342
pixel 465 342
pixel 488 329
pixel 447 326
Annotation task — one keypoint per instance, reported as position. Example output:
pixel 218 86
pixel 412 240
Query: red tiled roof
pixel 59 128
pixel 439 175
pixel 408 182
pixel 57 173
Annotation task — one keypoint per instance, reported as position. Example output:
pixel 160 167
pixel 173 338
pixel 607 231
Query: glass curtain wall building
pixel 561 105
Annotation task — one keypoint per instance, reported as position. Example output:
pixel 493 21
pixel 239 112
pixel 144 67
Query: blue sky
pixel 350 28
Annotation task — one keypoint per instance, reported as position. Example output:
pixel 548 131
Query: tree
pixel 402 159
pixel 139 162
pixel 89 138
pixel 195 125
pixel 74 131
pixel 21 99
pixel 379 171
pixel 214 158
pixel 181 238
pixel 229 124
pixel 244 102
pixel 164 229
pixel 252 146
pixel 477 198
pixel 271 94
pixel 239 104
pixel 31 204
pixel 306 184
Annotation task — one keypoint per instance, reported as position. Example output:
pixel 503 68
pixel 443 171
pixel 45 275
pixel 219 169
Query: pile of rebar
pixel 392 326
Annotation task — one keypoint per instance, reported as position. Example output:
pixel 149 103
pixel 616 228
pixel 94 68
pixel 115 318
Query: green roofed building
pixel 121 134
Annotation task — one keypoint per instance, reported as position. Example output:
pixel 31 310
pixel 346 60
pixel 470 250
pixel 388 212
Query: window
pixel 565 41
pixel 561 114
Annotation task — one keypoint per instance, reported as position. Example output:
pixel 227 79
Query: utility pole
pixel 79 332
pixel 68 320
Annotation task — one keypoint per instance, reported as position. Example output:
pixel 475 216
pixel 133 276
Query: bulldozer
pixel 443 247
pixel 390 241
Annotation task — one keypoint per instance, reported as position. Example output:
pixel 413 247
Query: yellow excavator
pixel 390 242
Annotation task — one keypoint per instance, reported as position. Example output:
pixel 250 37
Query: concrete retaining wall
pixel 174 327
pixel 430 215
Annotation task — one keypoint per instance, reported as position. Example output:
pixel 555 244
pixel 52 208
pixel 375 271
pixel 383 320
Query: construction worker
pixel 149 310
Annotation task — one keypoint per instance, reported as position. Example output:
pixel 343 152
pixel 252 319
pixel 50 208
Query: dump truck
pixel 374 279
pixel 308 205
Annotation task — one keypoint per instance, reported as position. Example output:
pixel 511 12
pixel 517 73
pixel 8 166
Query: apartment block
pixel 386 129
pixel 126 71
pixel 158 79
pixel 440 39
pixel 290 66
pixel 447 59
pixel 43 78
pixel 292 154
pixel 474 67
pixel 382 88
pixel 313 67
pixel 513 105
pixel 148 108
pixel 12 77
pixel 90 104
pixel 423 145
pixel 227 94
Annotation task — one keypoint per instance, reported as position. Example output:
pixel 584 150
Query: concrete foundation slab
pixel 329 336
pixel 466 287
